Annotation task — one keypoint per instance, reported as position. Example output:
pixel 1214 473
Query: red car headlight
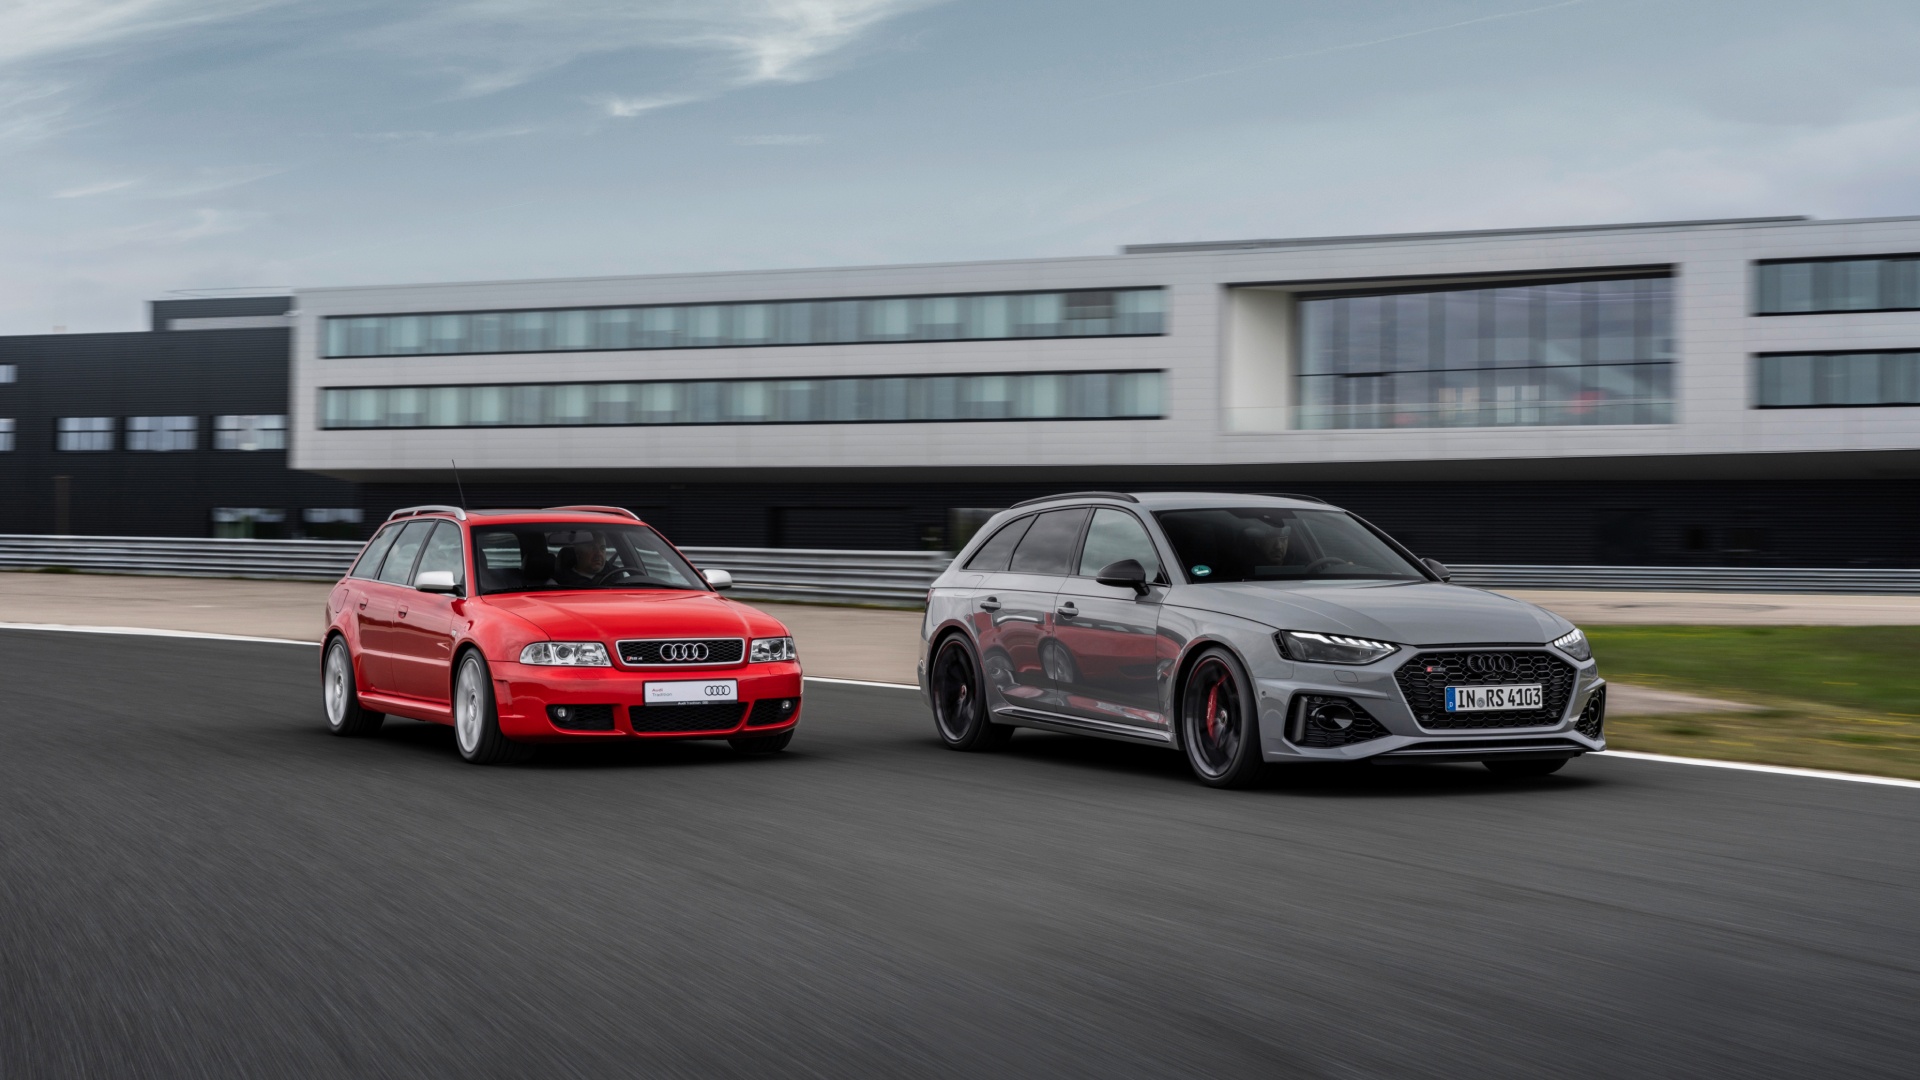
pixel 768 649
pixel 565 654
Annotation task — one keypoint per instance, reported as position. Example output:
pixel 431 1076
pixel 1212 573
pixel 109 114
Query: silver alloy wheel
pixel 466 708
pixel 334 685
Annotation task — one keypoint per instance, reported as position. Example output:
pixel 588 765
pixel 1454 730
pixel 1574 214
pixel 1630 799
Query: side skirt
pixel 1074 725
pixel 411 708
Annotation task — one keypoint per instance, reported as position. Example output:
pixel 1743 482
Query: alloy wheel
pixel 1215 716
pixel 466 709
pixel 335 685
pixel 954 692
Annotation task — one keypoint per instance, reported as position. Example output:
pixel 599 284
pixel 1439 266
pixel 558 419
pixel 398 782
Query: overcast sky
pixel 148 146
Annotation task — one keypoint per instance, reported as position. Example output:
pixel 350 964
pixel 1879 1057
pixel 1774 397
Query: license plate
pixel 692 691
pixel 1494 698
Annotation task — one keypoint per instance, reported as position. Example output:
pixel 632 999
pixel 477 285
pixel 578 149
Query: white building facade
pixel 1715 356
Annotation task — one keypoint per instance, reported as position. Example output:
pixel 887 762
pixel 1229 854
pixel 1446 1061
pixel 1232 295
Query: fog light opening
pixel 1331 716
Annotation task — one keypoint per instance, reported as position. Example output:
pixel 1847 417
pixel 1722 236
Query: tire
pixel 476 722
pixel 761 744
pixel 1525 767
pixel 340 694
pixel 960 699
pixel 1219 722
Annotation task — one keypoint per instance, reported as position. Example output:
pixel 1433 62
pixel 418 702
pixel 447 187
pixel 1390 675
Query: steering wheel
pixel 1323 563
pixel 609 574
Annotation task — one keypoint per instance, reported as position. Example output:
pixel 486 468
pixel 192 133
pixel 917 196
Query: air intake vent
pixel 655 719
pixel 1593 718
pixel 581 717
pixel 1323 722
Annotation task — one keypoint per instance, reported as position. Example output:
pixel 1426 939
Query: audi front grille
pixel 681 652
pixel 1424 680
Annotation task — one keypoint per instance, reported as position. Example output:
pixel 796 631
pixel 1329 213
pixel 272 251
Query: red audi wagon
pixel 520 627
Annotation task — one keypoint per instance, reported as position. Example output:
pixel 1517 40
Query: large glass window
pixel 1048 546
pixel 398 567
pixel 1114 536
pixel 1806 286
pixel 250 432
pixel 162 434
pixel 1597 351
pixel 1836 379
pixel 9 373
pixel 6 435
pixel 1083 313
pixel 85 433
pixel 444 553
pixel 1076 395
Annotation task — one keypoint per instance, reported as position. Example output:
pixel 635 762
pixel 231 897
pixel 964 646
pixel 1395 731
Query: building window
pixel 86 433
pixel 249 522
pixel 250 433
pixel 1074 395
pixel 331 522
pixel 6 435
pixel 9 373
pixel 1595 351
pixel 1807 286
pixel 161 434
pixel 1835 380
pixel 977 317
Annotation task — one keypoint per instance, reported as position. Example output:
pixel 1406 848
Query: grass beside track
pixel 1834 697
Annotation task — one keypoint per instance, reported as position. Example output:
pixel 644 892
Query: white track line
pixel 1740 766
pixel 862 682
pixel 146 631
pixel 1781 770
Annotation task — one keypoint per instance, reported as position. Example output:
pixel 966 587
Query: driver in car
pixel 581 563
pixel 1270 546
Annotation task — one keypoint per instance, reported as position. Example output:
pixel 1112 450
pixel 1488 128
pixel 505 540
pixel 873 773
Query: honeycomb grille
pixel 676 652
pixel 1593 718
pixel 1425 678
pixel 652 719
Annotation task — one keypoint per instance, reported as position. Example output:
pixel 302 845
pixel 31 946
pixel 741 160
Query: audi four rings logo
pixel 683 652
pixel 1492 664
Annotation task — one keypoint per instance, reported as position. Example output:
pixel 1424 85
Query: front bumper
pixel 523 694
pixel 1396 735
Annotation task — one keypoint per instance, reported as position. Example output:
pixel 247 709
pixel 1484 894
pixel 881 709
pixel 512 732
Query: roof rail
pixel 415 511
pixel 1120 495
pixel 1291 495
pixel 620 510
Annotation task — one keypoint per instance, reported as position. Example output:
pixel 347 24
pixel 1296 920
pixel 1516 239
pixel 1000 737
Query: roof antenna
pixel 456 483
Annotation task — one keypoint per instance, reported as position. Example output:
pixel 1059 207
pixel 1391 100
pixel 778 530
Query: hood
pixel 1410 613
pixel 610 615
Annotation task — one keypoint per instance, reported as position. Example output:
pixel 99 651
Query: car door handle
pixel 363 604
pixel 1067 610
pixel 991 603
pixel 403 613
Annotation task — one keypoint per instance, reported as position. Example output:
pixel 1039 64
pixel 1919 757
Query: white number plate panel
pixel 694 691
pixel 1488 698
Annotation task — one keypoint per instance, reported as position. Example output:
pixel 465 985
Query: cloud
pixel 626 107
pixel 776 140
pixel 36 29
pixel 86 191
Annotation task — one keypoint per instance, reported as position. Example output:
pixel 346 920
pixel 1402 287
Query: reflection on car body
pixel 1245 630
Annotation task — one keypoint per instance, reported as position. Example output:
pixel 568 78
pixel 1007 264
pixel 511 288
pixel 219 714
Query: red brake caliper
pixel 1213 709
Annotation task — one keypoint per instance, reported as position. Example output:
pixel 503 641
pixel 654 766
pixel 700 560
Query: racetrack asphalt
pixel 196 880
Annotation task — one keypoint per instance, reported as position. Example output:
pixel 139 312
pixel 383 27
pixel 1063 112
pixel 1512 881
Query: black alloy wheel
pixel 960 700
pixel 1218 725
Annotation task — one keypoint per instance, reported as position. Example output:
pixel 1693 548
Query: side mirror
pixel 1439 568
pixel 1125 574
pixel 436 581
pixel 718 579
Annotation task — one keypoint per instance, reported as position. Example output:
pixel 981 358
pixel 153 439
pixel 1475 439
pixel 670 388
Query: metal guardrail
pixel 890 578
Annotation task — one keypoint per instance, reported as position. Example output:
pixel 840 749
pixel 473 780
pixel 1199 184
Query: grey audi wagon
pixel 1244 630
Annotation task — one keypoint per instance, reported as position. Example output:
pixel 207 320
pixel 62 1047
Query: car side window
pixel 369 563
pixel 399 565
pixel 1116 535
pixel 993 554
pixel 444 553
pixel 1048 546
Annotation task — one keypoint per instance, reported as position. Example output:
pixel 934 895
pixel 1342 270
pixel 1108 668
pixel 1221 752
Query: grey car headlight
pixel 768 649
pixel 1330 648
pixel 1574 644
pixel 565 654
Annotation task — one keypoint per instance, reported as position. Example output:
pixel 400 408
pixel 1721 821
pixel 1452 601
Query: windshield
pixel 1272 543
pixel 544 557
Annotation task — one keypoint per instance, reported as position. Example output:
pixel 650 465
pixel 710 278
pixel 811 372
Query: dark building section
pixel 223 313
pixel 1695 522
pixel 174 433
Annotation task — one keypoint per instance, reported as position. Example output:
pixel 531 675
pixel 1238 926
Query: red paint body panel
pixel 404 643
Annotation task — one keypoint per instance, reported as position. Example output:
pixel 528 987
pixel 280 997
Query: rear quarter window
pixel 993 554
pixel 369 562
